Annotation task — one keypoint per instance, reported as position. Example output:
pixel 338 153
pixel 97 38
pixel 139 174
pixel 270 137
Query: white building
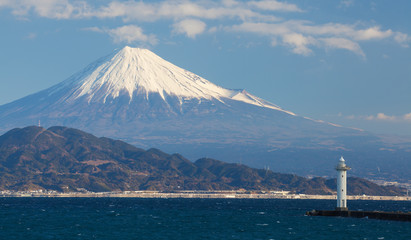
pixel 342 185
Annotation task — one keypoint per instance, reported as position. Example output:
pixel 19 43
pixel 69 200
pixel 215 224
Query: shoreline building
pixel 342 169
pixel 342 211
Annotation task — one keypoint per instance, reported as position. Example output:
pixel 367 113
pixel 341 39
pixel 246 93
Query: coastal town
pixel 239 194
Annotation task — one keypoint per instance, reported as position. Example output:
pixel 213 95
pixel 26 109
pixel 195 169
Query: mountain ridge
pixel 67 159
pixel 223 125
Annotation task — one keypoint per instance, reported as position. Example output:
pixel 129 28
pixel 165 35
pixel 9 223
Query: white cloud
pixel 382 116
pixel 213 29
pixel 94 29
pixel 402 39
pixel 346 3
pixel 128 11
pixel 274 42
pixel 269 29
pixel 4 3
pixel 407 117
pixel 190 27
pixel 229 3
pixel 343 43
pixel 330 35
pixel 191 18
pixel 299 43
pixel 56 9
pixel 31 36
pixel 370 118
pixel 371 33
pixel 342 30
pixel 274 5
pixel 128 34
pixel 173 10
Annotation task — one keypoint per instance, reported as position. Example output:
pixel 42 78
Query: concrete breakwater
pixel 197 194
pixel 394 216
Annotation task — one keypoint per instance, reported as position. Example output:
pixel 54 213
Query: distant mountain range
pixel 66 159
pixel 136 96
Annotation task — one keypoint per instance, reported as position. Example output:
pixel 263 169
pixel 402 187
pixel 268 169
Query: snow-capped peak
pixel 139 71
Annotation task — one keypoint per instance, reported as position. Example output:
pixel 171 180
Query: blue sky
pixel 347 62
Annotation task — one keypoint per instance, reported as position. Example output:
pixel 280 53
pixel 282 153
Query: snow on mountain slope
pixel 138 71
pixel 134 95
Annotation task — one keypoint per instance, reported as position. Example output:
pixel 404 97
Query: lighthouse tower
pixel 342 185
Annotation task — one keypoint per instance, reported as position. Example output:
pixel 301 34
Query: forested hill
pixel 67 159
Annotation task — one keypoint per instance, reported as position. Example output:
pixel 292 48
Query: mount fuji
pixel 136 96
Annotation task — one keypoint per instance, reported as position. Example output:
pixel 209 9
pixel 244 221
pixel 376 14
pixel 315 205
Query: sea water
pixel 134 218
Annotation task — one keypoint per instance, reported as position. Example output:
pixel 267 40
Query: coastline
pixel 197 194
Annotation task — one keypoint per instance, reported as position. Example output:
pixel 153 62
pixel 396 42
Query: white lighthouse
pixel 342 185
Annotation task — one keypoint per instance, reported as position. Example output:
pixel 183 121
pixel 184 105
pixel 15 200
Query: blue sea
pixel 133 218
